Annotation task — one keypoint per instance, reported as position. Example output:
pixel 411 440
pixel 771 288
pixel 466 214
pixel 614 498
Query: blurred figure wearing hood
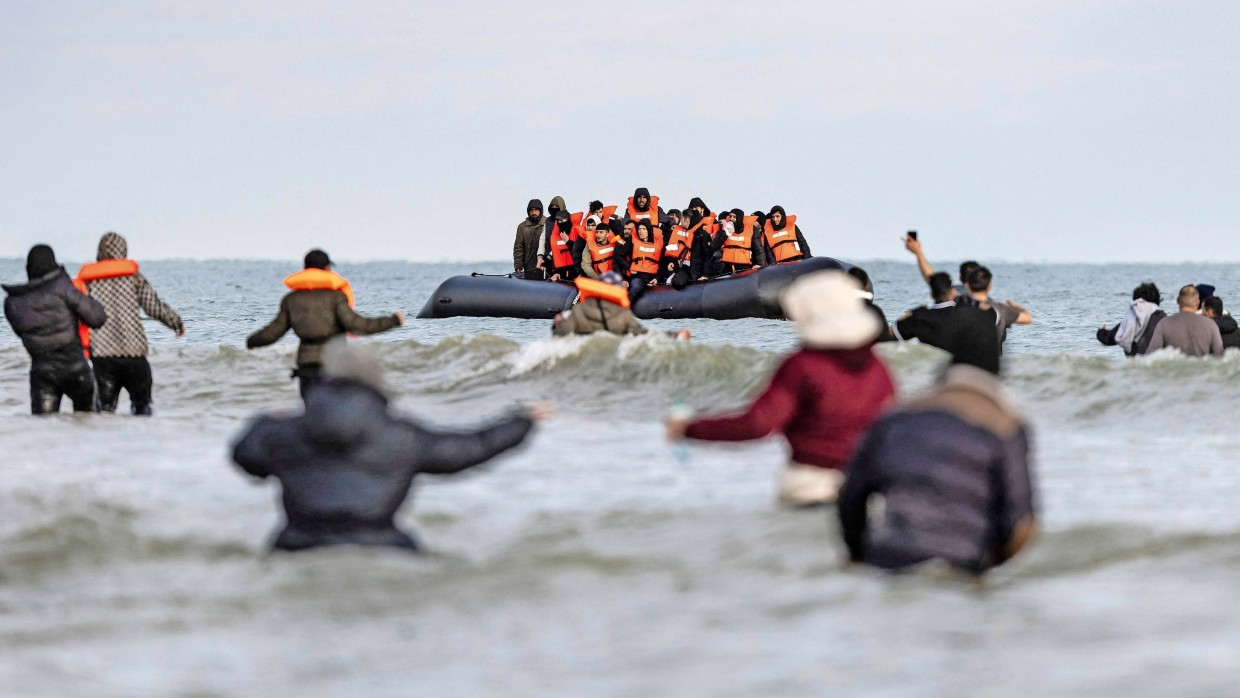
pixel 527 255
pixel 822 398
pixel 347 463
pixel 643 206
pixel 782 237
pixel 118 350
pixel 45 312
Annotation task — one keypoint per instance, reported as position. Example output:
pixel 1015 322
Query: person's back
pixel 1135 332
pixel 347 463
pixel 1212 308
pixel 1187 331
pixel 952 469
pixel 594 315
pixel 45 313
pixel 118 350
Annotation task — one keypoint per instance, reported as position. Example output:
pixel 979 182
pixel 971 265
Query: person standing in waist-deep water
pixel 1134 332
pixel 602 305
pixel 822 398
pixel 526 260
pixel 1212 308
pixel 952 469
pixel 1186 330
pixel 118 349
pixel 782 237
pixel 346 464
pixel 1006 314
pixel 319 307
pixel 46 312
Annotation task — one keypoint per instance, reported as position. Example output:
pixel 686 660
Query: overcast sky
pixel 1069 130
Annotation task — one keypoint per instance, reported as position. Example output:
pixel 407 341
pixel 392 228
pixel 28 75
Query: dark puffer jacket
pixel 1229 330
pixel 346 465
pixel 45 313
pixel 121 296
pixel 315 317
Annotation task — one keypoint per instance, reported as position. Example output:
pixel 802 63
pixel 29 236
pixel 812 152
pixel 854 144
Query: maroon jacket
pixel 822 400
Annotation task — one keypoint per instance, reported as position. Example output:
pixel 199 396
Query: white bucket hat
pixel 352 361
pixel 830 311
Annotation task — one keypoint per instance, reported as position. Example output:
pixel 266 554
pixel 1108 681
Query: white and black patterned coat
pixel 122 296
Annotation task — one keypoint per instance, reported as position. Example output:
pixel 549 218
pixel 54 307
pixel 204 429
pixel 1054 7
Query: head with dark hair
pixel 317 259
pixel 595 207
pixel 641 198
pixel 967 268
pixel 644 225
pixel 979 280
pixel 1147 292
pixel 862 277
pixel 40 261
pixel 1212 307
pixel 940 287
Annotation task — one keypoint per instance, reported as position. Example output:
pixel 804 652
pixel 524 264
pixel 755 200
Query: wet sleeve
pixel 1107 337
pixel 518 251
pixel 770 412
pixel 360 324
pixel 908 328
pixel 444 452
pixel 251 451
pixel 273 331
pixel 802 242
pixel 87 309
pixel 153 306
pixel 1156 342
pixel 855 494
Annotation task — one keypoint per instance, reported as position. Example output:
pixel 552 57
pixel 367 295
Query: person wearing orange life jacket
pixel 645 253
pixel 604 213
pixel 740 247
pixel 602 306
pixel 565 247
pixel 599 252
pixel 782 238
pixel 677 252
pixel 643 206
pixel 119 349
pixel 319 307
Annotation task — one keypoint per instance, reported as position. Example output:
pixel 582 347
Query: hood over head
pixel 112 246
pixel 783 214
pixel 40 261
pixel 696 201
pixel 830 312
pixel 641 191
pixel 535 203
pixel 1226 324
pixel 557 203
pixel 740 217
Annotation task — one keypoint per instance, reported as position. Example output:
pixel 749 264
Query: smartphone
pixel 912 235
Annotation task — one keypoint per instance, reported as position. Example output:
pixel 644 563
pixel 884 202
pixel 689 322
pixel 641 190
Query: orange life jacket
pixel 607 212
pixel 601 256
pixel 319 280
pixel 562 247
pixel 679 244
pixel 783 242
pixel 593 288
pixel 652 211
pixel 707 223
pixel 103 269
pixel 738 248
pixel 645 256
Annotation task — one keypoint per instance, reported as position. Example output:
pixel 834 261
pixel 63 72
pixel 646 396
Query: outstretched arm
pixel 360 324
pixel 770 412
pixel 1025 317
pixel 274 330
pixel 923 266
pixel 154 307
pixel 444 452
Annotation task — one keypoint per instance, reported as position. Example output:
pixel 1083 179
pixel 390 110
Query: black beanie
pixel 40 262
pixel 317 259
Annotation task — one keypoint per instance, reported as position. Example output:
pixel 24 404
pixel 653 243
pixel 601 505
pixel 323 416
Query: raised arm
pixel 446 452
pixel 923 266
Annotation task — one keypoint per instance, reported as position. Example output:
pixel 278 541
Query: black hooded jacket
pixel 643 191
pixel 45 313
pixel 782 224
pixel 346 465
pixel 1229 330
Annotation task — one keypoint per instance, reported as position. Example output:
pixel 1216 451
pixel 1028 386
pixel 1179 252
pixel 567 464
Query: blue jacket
pixel 953 471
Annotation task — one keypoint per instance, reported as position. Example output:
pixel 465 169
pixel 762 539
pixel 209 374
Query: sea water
pixel 594 561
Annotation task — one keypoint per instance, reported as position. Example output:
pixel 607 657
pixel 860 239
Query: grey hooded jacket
pixel 121 297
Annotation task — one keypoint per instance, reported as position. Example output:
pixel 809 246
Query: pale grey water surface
pixel 595 561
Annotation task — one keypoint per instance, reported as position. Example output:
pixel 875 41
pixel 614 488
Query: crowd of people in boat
pixel 648 246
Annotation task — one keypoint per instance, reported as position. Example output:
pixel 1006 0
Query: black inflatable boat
pixel 748 294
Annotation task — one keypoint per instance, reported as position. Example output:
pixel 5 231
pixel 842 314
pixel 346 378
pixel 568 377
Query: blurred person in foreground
pixel 951 469
pixel 347 463
pixel 45 313
pixel 822 398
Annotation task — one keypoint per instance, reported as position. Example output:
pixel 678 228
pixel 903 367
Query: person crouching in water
pixel 645 252
pixel 320 307
pixel 45 313
pixel 822 398
pixel 1134 332
pixel 346 464
pixel 952 468
pixel 602 305
pixel 118 349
